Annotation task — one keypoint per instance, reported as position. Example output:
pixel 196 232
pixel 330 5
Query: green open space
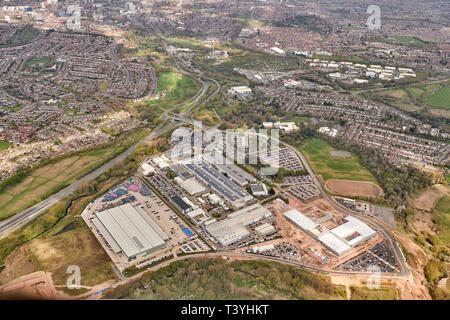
pixel 54 253
pixel 52 176
pixel 410 41
pixel 4 144
pixel 48 179
pixel 175 87
pixel 255 23
pixel 440 98
pixel 416 96
pixel 318 153
pixel 34 61
pixel 443 215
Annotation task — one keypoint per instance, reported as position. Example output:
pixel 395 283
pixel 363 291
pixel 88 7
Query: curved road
pixel 9 225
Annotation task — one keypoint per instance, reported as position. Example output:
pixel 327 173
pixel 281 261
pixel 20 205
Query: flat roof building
pixel 265 229
pixel 232 229
pixel 130 230
pixel 340 239
pixel 180 204
pixel 353 232
pixel 191 185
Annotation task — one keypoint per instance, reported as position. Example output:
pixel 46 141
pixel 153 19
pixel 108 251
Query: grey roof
pixel 130 229
pixel 221 184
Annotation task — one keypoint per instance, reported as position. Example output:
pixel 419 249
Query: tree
pixel 83 187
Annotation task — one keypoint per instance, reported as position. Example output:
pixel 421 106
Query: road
pixel 9 225
pixel 404 270
pixel 13 223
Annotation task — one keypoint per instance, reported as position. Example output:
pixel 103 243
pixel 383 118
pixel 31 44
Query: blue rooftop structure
pixel 188 232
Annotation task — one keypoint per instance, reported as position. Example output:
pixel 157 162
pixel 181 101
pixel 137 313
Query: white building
pixel 232 229
pixel 240 90
pixel 278 50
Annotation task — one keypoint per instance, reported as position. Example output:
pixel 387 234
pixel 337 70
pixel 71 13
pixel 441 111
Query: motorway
pixel 13 223
pixel 18 220
pixel 9 225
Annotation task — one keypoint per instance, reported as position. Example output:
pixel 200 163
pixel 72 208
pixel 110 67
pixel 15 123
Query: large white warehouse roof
pixel 300 219
pixel 130 229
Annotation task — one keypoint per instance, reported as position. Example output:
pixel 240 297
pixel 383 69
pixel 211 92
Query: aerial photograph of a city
pixel 224 150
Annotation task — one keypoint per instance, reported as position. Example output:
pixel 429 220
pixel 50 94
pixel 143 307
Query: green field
pixel 432 96
pixel 52 176
pixel 48 179
pixel 441 98
pixel 4 145
pixel 255 23
pixel 175 87
pixel 443 211
pixel 412 42
pixel 37 60
pixel 318 153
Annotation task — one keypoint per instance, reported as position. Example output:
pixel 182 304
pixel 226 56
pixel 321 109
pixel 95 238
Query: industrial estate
pixel 235 149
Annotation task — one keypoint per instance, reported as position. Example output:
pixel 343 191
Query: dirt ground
pixel 350 188
pixel 427 200
pixel 415 287
pixel 39 286
pixel 33 286
pixel 18 264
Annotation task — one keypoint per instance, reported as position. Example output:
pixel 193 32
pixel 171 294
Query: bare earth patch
pixel 427 200
pixel 351 188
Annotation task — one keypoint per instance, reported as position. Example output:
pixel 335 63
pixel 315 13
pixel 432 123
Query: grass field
pixel 441 98
pixel 443 211
pixel 46 180
pixel 175 87
pixel 417 97
pixel 45 61
pixel 318 153
pixel 4 145
pixel 411 41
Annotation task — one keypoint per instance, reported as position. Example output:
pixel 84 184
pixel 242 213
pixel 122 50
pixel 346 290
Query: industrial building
pixel 265 229
pixel 198 216
pixel 353 232
pixel 240 90
pixel 180 204
pixel 147 169
pixel 191 185
pixel 221 184
pixel 232 229
pixel 340 239
pixel 259 190
pixel 129 230
pixel 238 175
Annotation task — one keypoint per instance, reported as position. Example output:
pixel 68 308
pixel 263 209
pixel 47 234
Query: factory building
pixel 191 185
pixel 265 229
pixel 340 239
pixel 229 190
pixel 259 190
pixel 129 230
pixel 180 204
pixel 232 229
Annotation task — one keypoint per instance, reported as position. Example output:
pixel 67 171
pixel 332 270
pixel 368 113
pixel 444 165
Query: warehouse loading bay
pixel 133 198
